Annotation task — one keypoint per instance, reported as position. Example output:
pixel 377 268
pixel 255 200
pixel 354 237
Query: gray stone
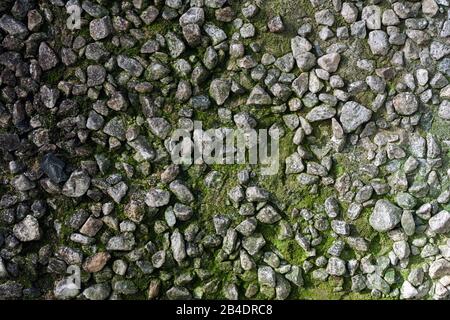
pixel 405 103
pixel 401 249
pixel 177 245
pixel 216 34
pixel 372 16
pixel 385 216
pixel 9 141
pixel 408 291
pixel 353 115
pixel 266 276
pixel 375 281
pixel 349 12
pixel 53 167
pixel 96 75
pixel 438 50
pixel 12 26
pixel 358 283
pixel 182 192
pixel 115 128
pixel 253 243
pixel 125 287
pixel 22 183
pixel 160 127
pixel 100 28
pixel 324 17
pixel 143 148
pixel 416 276
pixel 49 96
pixel 65 289
pixel 175 44
pixel 378 42
pixel 47 57
pixel 444 110
pixel 340 227
pixel 429 7
pixel 118 191
pixel 182 212
pixel 77 184
pixel 440 222
pixel 122 242
pixel 149 15
pixel 156 71
pixel 220 90
pixel 178 293
pixel 157 198
pixel 259 96
pixel 408 223
pixel 295 276
pixel 256 194
pixel 275 24
pixel 247 227
pixel 192 16
pixel 99 291
pixel 268 215
pixel 336 266
pixel 439 268
pixel 294 164
pixel 320 113
pixel 27 229
pixel 132 66
pixel 329 62
pixel 305 61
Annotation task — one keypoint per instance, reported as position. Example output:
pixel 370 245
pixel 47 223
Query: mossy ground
pixel 285 190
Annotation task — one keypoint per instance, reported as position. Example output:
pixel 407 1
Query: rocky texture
pixel 356 91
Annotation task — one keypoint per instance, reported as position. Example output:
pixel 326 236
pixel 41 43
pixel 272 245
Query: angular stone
pixel 439 268
pixel 178 246
pixel 132 66
pixel 118 191
pixel 53 167
pixel 96 262
pixel 47 57
pixel 99 291
pixel 385 216
pixel 440 222
pixel 122 242
pixel 320 113
pixel 268 215
pixel 405 103
pixel 336 266
pixel 329 62
pixel 91 227
pixel 220 90
pixel 100 28
pixel 77 184
pixel 259 96
pixel 372 16
pixel 378 42
pixel 175 44
pixel 157 198
pixel 27 229
pixel 12 26
pixel 353 115
pixel 192 16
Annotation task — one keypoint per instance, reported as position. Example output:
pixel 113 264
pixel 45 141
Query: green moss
pixel 53 76
pixel 380 244
pixel 365 98
pixel 292 13
pixel 362 225
pixel 315 290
